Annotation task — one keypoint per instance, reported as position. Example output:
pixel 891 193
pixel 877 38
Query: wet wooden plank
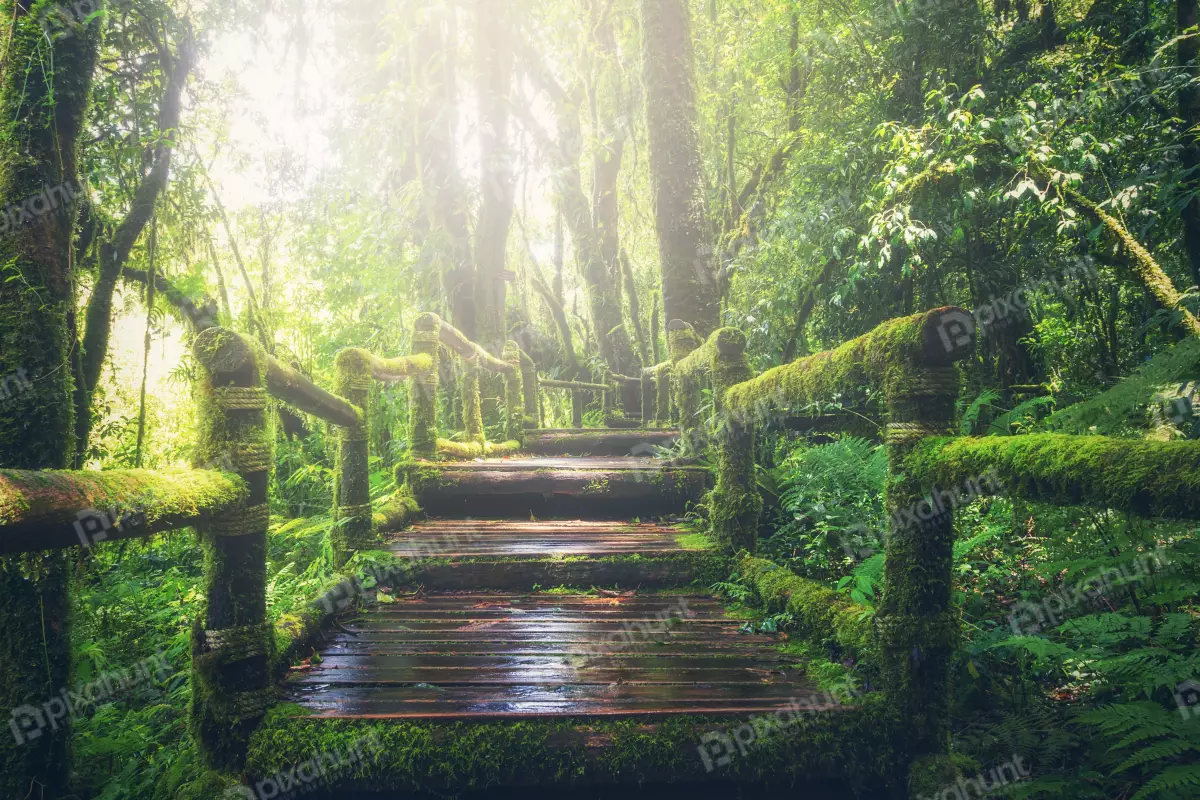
pixel 510 655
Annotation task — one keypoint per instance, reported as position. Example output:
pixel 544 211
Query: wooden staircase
pixel 570 625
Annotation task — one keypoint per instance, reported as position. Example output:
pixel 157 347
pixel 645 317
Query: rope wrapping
pixel 241 522
pixel 901 433
pixel 239 643
pixel 363 510
pixel 250 457
pixel 240 398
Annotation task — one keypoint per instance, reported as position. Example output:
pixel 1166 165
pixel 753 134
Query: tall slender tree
pixel 690 291
pixel 44 93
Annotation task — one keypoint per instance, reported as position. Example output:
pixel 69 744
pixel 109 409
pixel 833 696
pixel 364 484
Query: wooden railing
pixel 901 375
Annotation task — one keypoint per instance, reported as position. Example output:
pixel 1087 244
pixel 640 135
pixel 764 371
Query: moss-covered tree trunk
pixel 690 290
pixel 494 66
pixel 1189 113
pixel 443 191
pixel 232 647
pixel 44 94
pixel 423 391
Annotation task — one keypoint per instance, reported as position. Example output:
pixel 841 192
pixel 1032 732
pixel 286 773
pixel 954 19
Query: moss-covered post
pixel 423 390
pixel 354 526
pixel 735 503
pixel 576 408
pixel 610 401
pixel 44 93
pixel 662 389
pixel 514 400
pixel 682 340
pixel 916 623
pixel 647 398
pixel 472 404
pixel 232 648
pixel 529 390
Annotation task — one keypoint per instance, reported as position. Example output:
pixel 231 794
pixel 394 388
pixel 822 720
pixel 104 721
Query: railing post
pixel 529 390
pixel 472 404
pixel 647 399
pixel 735 503
pixel 232 648
pixel 662 390
pixel 513 397
pixel 917 626
pixel 354 525
pixel 422 392
pixel 576 408
pixel 682 340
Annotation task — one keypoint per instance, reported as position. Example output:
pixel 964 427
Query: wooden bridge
pixel 474 675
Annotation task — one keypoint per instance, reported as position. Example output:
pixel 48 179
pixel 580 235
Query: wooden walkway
pixel 483 655
pixel 469 539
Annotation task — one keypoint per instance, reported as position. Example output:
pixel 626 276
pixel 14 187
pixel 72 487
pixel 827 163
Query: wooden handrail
pixel 58 509
pixel 454 340
pixel 575 386
pixel 288 385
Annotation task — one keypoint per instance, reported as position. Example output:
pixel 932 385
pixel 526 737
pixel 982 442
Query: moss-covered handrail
pixel 574 386
pixel 1157 479
pixel 882 360
pixel 286 384
pixel 57 509
pixel 456 341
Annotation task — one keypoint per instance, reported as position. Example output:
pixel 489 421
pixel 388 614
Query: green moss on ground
pixel 850 746
pixel 1144 477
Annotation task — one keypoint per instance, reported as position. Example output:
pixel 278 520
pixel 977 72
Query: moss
pixel 1122 410
pixel 878 360
pixel 1148 478
pixel 469 450
pixel 472 404
pixel 155 495
pixel 821 614
pixel 849 747
pixel 354 526
pixel 422 395
pixel 395 511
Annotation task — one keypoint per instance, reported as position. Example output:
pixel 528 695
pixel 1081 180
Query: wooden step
pixel 598 441
pixel 595 488
pixel 475 538
pixel 620 656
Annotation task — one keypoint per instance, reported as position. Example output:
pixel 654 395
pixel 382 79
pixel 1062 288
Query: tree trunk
pixel 445 196
pixel 114 253
pixel 493 43
pixel 43 113
pixel 1189 114
pixel 690 290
